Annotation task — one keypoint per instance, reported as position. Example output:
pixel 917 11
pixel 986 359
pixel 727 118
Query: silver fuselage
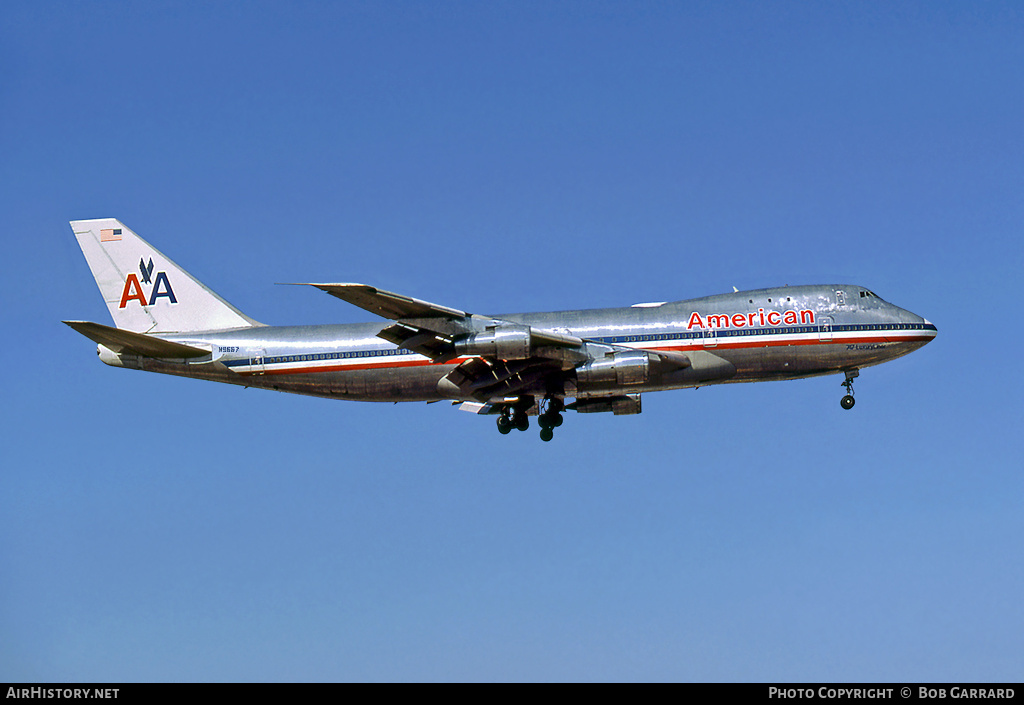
pixel 766 334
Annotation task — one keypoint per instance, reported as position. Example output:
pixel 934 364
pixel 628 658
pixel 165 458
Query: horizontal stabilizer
pixel 123 341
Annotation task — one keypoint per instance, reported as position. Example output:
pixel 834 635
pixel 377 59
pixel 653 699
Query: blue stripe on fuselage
pixel 322 356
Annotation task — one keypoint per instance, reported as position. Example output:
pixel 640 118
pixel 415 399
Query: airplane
pixel 512 366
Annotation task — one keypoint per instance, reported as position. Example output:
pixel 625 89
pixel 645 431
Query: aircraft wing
pixel 387 303
pixel 499 358
pixel 484 378
pixel 431 329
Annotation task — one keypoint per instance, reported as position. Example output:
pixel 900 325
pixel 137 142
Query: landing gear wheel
pixel 546 434
pixel 847 402
pixel 521 421
pixel 550 419
pixel 504 424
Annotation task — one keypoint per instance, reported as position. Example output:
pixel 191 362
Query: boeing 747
pixel 512 365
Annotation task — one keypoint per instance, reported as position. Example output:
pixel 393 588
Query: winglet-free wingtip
pixel 387 303
pixel 321 285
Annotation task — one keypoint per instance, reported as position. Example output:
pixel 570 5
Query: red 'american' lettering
pixel 760 318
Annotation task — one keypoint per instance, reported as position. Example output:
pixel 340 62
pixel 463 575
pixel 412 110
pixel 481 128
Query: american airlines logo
pixel 133 287
pixel 761 318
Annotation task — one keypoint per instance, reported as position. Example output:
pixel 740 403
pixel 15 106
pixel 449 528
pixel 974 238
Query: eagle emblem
pixel 146 270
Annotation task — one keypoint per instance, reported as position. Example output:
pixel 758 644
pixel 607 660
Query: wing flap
pixel 426 342
pixel 483 380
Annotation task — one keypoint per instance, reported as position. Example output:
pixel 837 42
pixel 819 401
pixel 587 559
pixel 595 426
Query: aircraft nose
pixel 922 329
pixel 927 329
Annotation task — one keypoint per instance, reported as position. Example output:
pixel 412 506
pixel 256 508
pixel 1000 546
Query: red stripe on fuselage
pixel 698 344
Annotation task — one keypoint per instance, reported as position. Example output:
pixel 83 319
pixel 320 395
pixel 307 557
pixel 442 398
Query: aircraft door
pixel 257 361
pixel 825 330
pixel 710 336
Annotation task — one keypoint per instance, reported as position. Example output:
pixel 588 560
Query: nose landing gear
pixel 848 401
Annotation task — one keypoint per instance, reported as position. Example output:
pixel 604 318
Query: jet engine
pixel 614 370
pixel 508 342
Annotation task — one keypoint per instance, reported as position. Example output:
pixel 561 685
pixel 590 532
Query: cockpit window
pixel 868 294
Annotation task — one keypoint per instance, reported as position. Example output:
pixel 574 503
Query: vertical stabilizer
pixel 145 291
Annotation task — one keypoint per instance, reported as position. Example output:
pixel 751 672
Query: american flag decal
pixel 110 235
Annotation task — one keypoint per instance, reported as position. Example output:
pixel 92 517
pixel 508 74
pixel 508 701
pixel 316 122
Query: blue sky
pixel 515 157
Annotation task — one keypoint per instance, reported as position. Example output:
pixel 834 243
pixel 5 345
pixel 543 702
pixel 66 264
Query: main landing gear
pixel 515 416
pixel 550 419
pixel 510 418
pixel 848 401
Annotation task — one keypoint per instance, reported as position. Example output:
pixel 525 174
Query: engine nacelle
pixel 510 342
pixel 622 405
pixel 614 370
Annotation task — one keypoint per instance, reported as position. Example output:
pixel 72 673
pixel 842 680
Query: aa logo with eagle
pixel 133 290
